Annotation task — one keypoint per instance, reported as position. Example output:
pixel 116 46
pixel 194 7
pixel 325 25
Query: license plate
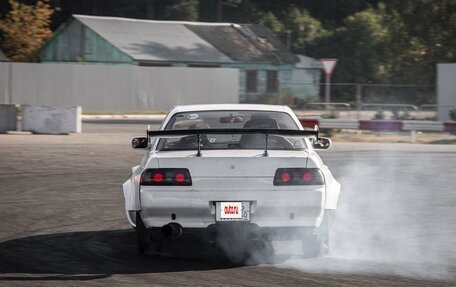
pixel 232 211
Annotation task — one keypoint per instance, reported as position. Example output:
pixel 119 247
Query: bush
pixel 331 115
pixel 380 115
pixel 401 115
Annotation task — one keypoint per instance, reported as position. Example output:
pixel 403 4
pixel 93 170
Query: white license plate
pixel 232 211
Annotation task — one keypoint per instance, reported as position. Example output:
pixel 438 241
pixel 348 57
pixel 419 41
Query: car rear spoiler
pixel 266 132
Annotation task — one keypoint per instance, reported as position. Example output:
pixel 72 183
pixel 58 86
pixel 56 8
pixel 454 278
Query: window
pixel 251 81
pixel 154 64
pixel 232 119
pixel 203 66
pixel 272 81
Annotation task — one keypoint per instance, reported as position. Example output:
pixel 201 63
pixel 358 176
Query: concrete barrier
pixel 51 120
pixel 8 119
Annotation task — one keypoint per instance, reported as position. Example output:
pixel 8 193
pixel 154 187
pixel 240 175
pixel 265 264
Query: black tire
pixel 319 244
pixel 142 234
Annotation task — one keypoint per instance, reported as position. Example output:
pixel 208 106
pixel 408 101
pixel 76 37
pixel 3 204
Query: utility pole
pixel 358 100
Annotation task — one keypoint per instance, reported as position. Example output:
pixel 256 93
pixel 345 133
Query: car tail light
pixel 166 176
pixel 298 176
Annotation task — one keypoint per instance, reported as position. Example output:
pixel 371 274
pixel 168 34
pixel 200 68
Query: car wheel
pixel 319 244
pixel 142 234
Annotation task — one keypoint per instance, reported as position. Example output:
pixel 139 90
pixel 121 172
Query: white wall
pixel 446 90
pixel 4 83
pixel 117 88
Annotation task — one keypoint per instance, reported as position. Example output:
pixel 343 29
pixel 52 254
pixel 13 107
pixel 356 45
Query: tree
pixel 24 29
pixel 185 10
pixel 270 20
pixel 304 29
pixel 433 25
pixel 373 46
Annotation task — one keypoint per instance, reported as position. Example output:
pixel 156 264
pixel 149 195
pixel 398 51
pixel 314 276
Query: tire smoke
pixel 396 214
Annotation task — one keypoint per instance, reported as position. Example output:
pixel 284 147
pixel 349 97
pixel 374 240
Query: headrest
pixel 261 123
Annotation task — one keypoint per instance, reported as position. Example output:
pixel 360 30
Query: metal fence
pixel 372 111
pixel 373 101
pixel 380 93
pixel 115 88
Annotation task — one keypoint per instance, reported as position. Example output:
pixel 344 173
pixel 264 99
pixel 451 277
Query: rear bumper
pixel 290 207
pixel 238 231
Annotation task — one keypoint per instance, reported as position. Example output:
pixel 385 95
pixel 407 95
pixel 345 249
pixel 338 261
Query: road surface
pixel 62 218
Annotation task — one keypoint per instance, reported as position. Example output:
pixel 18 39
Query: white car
pixel 230 174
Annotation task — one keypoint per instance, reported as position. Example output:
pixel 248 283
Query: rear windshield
pixel 231 120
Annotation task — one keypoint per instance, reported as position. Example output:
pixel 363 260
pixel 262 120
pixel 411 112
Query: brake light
pixel 158 177
pixel 180 177
pixel 285 176
pixel 298 176
pixel 307 176
pixel 166 176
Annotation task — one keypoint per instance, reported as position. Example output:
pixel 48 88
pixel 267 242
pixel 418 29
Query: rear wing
pixel 281 132
pixel 199 132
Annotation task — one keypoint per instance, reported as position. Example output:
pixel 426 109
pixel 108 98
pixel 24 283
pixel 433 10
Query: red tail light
pixel 298 176
pixel 180 177
pixel 158 177
pixel 166 176
pixel 307 176
pixel 285 176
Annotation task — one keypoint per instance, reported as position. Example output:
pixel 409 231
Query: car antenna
pixel 266 148
pixel 198 139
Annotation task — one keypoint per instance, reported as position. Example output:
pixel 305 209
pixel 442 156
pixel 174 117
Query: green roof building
pixel 268 70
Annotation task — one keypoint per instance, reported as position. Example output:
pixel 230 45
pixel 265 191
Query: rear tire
pixel 142 234
pixel 319 244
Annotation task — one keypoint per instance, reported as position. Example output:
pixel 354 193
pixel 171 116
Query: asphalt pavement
pixel 63 220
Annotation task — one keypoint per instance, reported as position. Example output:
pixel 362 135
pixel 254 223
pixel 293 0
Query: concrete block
pixel 8 120
pixel 51 119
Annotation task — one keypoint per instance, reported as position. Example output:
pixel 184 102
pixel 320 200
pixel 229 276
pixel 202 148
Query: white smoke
pixel 396 215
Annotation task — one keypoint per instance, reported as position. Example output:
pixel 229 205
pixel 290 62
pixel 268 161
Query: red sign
pixel 328 65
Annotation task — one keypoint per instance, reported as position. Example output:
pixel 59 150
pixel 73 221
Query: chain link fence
pixel 373 101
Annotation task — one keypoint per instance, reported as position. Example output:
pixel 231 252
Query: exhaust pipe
pixel 171 230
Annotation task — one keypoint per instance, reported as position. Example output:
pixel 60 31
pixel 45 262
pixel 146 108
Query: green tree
pixel 433 25
pixel 270 20
pixel 304 29
pixel 363 43
pixel 373 46
pixel 184 10
pixel 24 29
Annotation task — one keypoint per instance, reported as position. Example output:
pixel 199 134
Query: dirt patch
pixel 390 137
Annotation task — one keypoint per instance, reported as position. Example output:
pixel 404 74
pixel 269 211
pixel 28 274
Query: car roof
pixel 230 107
pixel 222 107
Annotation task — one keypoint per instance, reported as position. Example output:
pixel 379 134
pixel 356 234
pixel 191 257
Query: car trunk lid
pixel 232 163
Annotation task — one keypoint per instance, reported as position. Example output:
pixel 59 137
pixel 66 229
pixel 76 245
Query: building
pixel 268 70
pixel 446 96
